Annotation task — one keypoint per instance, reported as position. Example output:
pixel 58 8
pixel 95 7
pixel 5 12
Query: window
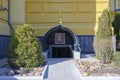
pixel 117 4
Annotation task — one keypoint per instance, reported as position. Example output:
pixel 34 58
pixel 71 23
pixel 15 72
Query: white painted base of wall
pixel 114 42
pixel 76 55
pixel 45 54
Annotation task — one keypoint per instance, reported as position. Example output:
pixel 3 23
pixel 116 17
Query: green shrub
pixel 104 26
pixel 97 46
pixel 117 58
pixel 24 49
pixel 102 42
pixel 106 51
pixel 116 25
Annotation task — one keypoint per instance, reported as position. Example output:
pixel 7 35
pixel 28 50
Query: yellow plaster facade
pixel 81 16
pixel 4 29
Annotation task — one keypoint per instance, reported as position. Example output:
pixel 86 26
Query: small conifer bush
pixel 116 25
pixel 103 45
pixel 117 58
pixel 24 49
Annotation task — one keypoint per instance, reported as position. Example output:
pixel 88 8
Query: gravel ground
pixel 5 70
pixel 97 69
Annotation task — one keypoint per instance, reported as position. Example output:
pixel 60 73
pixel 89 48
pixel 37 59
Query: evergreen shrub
pixel 103 45
pixel 116 25
pixel 24 49
pixel 117 58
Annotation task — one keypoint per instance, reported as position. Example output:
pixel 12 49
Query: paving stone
pixel 62 69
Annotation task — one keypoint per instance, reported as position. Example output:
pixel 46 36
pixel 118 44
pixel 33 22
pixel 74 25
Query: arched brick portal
pixel 61 42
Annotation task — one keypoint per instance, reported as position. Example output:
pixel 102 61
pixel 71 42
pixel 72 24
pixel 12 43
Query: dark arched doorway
pixel 61 52
pixel 60 42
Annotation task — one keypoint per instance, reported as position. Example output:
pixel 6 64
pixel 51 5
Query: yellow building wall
pixel 17 12
pixel 4 28
pixel 17 15
pixel 81 16
pixel 3 14
pixel 0 2
pixel 119 3
pixel 112 10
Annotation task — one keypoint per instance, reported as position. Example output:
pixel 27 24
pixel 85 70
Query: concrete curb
pixel 20 78
pixel 44 71
pixel 25 77
pixel 100 78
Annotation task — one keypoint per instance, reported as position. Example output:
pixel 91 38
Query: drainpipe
pixel 9 17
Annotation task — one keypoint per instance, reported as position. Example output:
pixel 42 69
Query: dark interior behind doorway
pixel 61 52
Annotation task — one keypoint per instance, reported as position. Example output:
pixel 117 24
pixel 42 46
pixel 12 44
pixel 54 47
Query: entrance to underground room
pixel 61 51
pixel 60 42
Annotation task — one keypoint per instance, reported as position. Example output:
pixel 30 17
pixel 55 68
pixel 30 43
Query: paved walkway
pixel 62 69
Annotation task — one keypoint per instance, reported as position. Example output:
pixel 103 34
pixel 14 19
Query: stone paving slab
pixel 62 69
